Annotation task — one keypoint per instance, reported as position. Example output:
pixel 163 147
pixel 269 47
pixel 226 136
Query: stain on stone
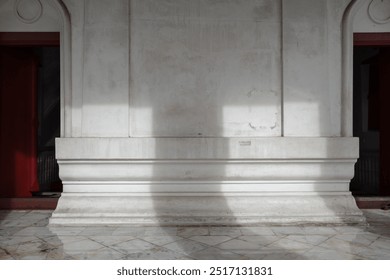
pixel 256 127
pixel 245 143
pixel 251 93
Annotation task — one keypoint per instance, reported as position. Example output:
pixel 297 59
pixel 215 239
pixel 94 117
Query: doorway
pixel 371 117
pixel 29 114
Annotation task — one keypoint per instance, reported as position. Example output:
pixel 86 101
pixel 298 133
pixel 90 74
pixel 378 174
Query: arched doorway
pixel 371 114
pixel 35 47
pixel 366 41
pixel 29 113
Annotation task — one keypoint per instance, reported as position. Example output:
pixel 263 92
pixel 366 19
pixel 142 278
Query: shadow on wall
pixel 181 69
pixel 202 72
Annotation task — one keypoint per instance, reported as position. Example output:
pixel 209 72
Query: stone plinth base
pixel 190 181
pixel 245 209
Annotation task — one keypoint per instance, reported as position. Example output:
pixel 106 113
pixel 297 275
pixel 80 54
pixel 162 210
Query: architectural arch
pixel 45 16
pixel 66 72
pixel 372 18
pixel 347 67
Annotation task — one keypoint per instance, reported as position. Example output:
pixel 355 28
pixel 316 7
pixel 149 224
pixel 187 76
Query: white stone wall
pixel 312 67
pixel 100 49
pixel 207 68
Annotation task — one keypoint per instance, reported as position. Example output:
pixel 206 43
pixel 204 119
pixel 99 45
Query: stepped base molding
pixel 214 181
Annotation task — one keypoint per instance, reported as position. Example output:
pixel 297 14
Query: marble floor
pixel 26 235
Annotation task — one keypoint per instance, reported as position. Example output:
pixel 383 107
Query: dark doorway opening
pixel 48 118
pixel 371 113
pixel 30 114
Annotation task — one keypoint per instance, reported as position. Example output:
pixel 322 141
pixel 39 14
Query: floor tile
pixel 319 230
pixel 33 256
pixel 350 229
pixel 129 231
pixel 4 215
pixel 153 231
pixel 41 223
pixel 213 253
pixel 226 231
pixel 81 246
pixel 157 253
pixel 36 215
pixel 17 223
pixel 33 230
pixel 27 235
pixel 111 240
pixel 17 240
pixel 210 240
pixel 288 230
pixel 9 231
pixel 99 254
pixel 192 231
pixel 309 239
pixel 277 255
pixel 262 240
pixel 36 246
pixel 288 244
pixel 4 255
pixel 132 246
pixel 381 243
pixel 59 240
pixel 384 231
pixel 161 239
pixel 97 231
pixel 58 254
pixel 340 245
pixel 257 231
pixel 362 238
pixel 66 230
pixel 328 254
pixel 374 254
pixel 236 244
pixel 186 247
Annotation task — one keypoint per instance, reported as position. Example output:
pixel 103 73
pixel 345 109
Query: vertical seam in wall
pixel 82 72
pixel 63 96
pixel 66 93
pixel 129 70
pixel 344 65
pixel 343 25
pixel 329 93
pixel 281 70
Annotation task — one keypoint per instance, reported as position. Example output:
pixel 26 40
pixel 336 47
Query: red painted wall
pixel 18 122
